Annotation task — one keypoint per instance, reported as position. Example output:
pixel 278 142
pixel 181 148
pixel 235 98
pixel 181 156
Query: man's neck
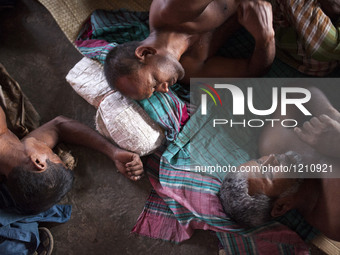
pixel 12 152
pixel 168 42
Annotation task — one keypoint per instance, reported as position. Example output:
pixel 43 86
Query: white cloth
pixel 118 118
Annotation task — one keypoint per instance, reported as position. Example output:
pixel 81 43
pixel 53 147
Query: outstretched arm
pixel 62 129
pixel 256 17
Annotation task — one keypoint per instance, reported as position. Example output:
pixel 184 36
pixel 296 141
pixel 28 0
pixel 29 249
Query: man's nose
pixel 163 87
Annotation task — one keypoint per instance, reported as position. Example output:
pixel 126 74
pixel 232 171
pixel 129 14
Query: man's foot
pixel 322 133
pixel 46 242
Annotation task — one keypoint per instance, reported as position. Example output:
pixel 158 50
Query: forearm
pixel 262 57
pixel 257 18
pixel 73 132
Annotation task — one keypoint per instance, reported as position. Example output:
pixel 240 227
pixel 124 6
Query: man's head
pixel 40 180
pixel 252 199
pixel 137 70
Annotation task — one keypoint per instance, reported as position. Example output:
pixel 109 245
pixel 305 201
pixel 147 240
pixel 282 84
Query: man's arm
pixel 62 129
pixel 256 17
pixel 179 10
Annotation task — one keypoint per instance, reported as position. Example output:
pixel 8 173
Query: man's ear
pixel 281 206
pixel 38 162
pixel 142 51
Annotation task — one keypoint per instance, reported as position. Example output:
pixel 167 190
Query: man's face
pixel 39 153
pixel 158 74
pixel 272 184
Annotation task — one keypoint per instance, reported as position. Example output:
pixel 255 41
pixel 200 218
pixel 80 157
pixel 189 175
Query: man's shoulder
pixel 183 17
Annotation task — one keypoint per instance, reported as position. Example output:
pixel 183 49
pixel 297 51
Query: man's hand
pixel 257 18
pixel 129 164
pixel 322 133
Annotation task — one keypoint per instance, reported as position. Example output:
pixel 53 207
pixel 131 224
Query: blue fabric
pixel 19 233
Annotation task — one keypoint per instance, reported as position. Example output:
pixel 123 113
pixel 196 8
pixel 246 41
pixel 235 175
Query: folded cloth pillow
pixel 118 118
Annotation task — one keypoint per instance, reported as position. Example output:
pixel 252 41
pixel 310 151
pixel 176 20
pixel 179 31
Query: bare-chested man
pixel 183 41
pixel 35 177
pixel 252 199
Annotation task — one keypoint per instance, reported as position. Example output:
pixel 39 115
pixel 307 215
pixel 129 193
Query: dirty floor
pixel 105 204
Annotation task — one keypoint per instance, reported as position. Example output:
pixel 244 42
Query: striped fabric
pixel 184 200
pixel 191 198
pixel 168 110
pixel 305 37
pixel 113 27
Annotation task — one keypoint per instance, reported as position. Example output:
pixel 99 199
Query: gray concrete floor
pixel 105 204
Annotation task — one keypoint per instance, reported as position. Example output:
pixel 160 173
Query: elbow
pixel 59 121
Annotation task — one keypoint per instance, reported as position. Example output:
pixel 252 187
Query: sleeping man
pixel 183 41
pixel 253 199
pixel 35 177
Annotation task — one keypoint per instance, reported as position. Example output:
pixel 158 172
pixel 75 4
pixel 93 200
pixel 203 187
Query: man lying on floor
pixel 183 41
pixel 35 177
pixel 253 199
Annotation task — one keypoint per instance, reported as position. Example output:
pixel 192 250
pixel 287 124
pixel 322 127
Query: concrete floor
pixel 105 204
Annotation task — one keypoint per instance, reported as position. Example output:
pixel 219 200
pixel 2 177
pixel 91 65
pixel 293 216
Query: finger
pixel 315 122
pixel 301 135
pixel 135 168
pixel 325 118
pixel 307 127
pixel 138 172
pixel 135 159
pixel 135 178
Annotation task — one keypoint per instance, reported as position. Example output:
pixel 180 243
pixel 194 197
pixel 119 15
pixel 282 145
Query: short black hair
pixel 34 192
pixel 120 61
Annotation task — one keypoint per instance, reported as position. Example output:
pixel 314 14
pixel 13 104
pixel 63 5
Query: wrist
pixel 109 150
pixel 265 40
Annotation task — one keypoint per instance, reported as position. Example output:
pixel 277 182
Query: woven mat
pixel 327 245
pixel 71 14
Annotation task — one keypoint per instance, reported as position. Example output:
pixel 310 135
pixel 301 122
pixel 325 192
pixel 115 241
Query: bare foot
pixel 322 133
pixel 129 164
